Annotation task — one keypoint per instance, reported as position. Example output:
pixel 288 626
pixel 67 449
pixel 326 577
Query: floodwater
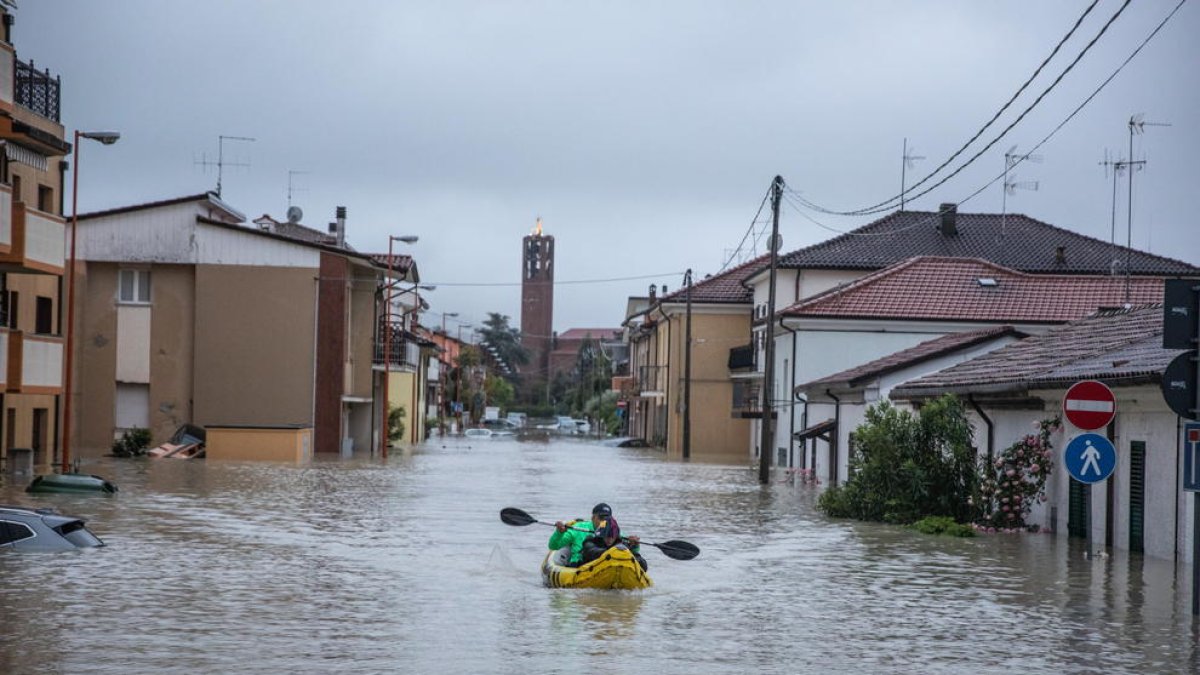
pixel 403 565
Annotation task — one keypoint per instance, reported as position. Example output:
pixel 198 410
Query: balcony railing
pixel 35 90
pixel 747 399
pixel 742 358
pixel 37 240
pixel 35 363
pixel 402 349
pixel 652 379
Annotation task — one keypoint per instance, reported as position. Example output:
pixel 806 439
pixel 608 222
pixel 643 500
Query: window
pixel 45 315
pixel 135 286
pixel 46 199
pixel 16 186
pixel 13 297
pixel 11 532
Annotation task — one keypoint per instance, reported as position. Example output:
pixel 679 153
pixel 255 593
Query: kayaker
pixel 572 533
pixel 606 534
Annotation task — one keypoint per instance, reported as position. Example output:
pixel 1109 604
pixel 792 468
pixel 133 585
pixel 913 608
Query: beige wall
pixel 255 345
pixel 95 359
pixel 715 434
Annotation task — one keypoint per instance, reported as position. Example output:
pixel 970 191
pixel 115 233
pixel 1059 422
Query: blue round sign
pixel 1090 458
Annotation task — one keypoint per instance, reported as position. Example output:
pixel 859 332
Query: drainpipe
pixel 833 443
pixel 991 433
pixel 792 414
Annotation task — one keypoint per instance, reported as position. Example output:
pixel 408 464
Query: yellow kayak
pixel 617 568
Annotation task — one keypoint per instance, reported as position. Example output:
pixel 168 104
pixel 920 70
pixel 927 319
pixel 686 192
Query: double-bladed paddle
pixel 679 550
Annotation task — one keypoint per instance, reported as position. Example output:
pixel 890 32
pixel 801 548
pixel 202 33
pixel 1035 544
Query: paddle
pixel 679 550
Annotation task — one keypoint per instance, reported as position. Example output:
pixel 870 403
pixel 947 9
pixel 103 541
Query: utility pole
pixel 767 440
pixel 687 370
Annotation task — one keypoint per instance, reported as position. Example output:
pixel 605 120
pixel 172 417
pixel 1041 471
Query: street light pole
pixel 107 138
pixel 385 428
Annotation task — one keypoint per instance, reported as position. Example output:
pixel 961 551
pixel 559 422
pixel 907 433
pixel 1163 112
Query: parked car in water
pixel 566 425
pixel 583 426
pixel 41 530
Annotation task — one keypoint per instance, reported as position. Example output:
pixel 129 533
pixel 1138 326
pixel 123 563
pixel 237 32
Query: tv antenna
pixel 1137 125
pixel 221 163
pixel 1011 185
pixel 1117 166
pixel 290 188
pixel 906 162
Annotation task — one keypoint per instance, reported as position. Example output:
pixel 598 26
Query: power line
pixel 556 283
pixel 749 231
pixel 890 203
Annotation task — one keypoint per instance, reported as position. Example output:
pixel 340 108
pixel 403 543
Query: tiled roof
pixel 726 287
pixel 931 288
pixel 1114 344
pixel 400 263
pixel 925 351
pixel 1012 240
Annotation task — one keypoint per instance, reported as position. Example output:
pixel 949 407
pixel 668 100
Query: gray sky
pixel 645 134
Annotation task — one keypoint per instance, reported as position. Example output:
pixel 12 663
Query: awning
pixel 818 430
pixel 17 153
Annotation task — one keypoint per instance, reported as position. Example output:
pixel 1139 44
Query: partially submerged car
pixel 41 530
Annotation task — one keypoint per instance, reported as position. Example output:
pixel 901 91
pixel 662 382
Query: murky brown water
pixel 360 566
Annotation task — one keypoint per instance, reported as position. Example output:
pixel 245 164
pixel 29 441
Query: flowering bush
pixel 1016 479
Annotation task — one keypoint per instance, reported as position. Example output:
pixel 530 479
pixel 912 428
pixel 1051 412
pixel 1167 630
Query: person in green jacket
pixel 595 535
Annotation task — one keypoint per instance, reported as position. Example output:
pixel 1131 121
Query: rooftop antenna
pixel 221 163
pixel 906 162
pixel 1011 160
pixel 1137 125
pixel 1117 166
pixel 290 188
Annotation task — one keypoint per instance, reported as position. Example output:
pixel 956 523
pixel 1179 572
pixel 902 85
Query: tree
pixel 505 339
pixel 906 467
pixel 592 374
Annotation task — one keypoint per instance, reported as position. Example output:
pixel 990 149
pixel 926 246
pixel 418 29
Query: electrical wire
pixel 556 283
pixel 749 230
pixel 889 204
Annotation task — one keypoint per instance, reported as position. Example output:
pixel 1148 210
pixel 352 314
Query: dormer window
pixel 988 282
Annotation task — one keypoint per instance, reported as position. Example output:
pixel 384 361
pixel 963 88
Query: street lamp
pixel 387 340
pixel 107 138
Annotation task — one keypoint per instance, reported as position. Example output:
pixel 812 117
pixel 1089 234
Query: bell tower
pixel 537 300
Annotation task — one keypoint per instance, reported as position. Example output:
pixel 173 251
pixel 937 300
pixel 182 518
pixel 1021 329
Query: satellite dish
pixel 294 214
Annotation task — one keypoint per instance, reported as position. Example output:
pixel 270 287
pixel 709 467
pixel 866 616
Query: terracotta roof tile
pixel 726 287
pixel 1109 344
pixel 950 289
pixel 1012 240
pixel 925 351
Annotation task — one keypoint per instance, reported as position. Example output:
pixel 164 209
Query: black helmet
pixel 602 509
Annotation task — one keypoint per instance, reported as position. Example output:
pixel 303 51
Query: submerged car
pixel 25 529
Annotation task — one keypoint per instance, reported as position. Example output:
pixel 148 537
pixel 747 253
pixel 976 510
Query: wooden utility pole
pixel 767 440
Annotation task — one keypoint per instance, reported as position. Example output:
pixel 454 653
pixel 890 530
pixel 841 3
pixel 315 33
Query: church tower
pixel 537 300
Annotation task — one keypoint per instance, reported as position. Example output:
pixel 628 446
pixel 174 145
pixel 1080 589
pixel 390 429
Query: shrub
pixel 907 466
pixel 133 443
pixel 1017 478
pixel 396 426
pixel 943 525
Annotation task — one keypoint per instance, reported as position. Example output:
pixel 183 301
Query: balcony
pixel 404 352
pixel 35 364
pixel 652 381
pixel 747 399
pixel 8 70
pixel 36 242
pixel 36 91
pixel 742 358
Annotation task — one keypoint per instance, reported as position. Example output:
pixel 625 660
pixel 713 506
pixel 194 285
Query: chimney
pixel 949 226
pixel 1060 255
pixel 653 292
pixel 341 227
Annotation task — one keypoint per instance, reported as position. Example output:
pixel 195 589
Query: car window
pixel 11 532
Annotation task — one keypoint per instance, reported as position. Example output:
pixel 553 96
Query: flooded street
pixel 404 566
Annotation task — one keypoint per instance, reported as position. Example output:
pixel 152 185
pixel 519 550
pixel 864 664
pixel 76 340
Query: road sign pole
pixel 1195 553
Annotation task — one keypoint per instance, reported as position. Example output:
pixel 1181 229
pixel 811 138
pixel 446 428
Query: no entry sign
pixel 1089 405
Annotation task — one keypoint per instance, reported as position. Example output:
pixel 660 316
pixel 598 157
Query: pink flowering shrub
pixel 1016 479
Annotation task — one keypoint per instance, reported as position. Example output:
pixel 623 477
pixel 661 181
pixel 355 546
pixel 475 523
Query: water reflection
pixel 403 565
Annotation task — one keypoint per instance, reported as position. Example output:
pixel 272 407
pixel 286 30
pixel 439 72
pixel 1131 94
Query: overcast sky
pixel 645 134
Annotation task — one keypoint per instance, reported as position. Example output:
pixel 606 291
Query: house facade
pixel 1141 508
pixel 188 316
pixel 33 147
pixel 810 346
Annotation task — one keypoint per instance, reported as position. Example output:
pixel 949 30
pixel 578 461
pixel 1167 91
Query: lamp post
pixel 107 138
pixel 387 342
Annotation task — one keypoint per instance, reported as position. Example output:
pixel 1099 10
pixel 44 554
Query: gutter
pixel 795 394
pixel 991 429
pixel 837 431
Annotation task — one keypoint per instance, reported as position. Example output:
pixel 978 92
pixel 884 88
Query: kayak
pixel 617 568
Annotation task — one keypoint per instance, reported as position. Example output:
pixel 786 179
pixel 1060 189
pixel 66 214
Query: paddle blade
pixel 679 550
pixel 517 517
